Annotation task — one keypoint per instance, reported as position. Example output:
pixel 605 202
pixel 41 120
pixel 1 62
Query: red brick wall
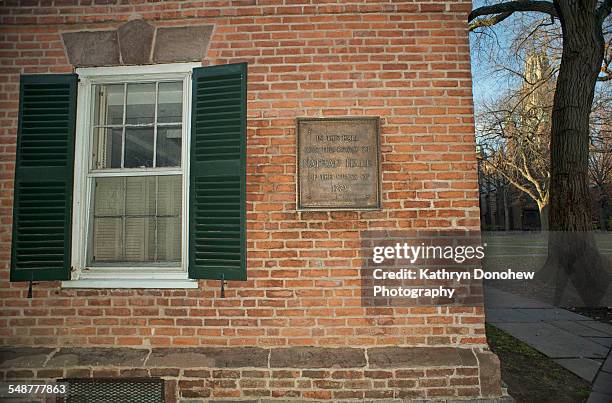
pixel 407 62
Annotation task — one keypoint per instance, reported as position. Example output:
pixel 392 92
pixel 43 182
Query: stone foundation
pixel 251 373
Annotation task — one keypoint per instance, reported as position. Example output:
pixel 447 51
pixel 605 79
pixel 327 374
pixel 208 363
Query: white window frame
pixel 139 276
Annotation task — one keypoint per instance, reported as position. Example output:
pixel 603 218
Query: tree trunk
pixel 543 209
pixel 494 211
pixel 506 210
pixel 603 205
pixel 572 252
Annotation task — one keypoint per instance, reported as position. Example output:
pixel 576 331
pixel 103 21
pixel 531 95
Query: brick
pixel 402 383
pixel 379 394
pixel 464 381
pixel 20 374
pixel 378 374
pixel 257 392
pixel 433 382
pixel 285 374
pixel 49 373
pixel 286 393
pixel 348 394
pixel 191 384
pixel 164 372
pixel 223 383
pixel 411 393
pixel 315 374
pixel 318 394
pixel 255 374
pixel 226 374
pixel 105 373
pixel 408 373
pixel 78 373
pixel 196 373
pixel 196 393
pixel 347 374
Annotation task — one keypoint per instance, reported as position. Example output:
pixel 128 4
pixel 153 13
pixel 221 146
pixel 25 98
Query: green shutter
pixel 217 177
pixel 42 208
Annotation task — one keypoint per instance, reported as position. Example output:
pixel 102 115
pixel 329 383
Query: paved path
pixel 575 342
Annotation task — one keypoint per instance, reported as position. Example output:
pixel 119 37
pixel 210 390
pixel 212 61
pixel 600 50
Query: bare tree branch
pixel 488 22
pixel 514 182
pixel 606 67
pixel 604 9
pixel 502 11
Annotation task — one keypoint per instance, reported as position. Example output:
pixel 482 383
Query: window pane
pixel 140 195
pixel 140 239
pixel 108 104
pixel 109 197
pixel 108 221
pixel 108 240
pixel 168 146
pixel 169 238
pixel 106 151
pixel 140 103
pixel 169 197
pixel 137 219
pixel 138 147
pixel 170 102
pixel 169 191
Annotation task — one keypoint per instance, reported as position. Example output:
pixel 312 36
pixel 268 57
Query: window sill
pixel 130 283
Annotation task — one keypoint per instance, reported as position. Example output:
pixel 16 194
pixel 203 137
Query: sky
pixel 486 82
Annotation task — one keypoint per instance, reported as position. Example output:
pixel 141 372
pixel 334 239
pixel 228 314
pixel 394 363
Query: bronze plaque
pixel 338 163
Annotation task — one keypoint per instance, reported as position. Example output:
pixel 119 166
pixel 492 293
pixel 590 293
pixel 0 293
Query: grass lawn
pixel 531 376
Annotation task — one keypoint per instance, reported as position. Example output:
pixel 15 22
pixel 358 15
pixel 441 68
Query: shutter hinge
pixel 223 283
pixel 31 284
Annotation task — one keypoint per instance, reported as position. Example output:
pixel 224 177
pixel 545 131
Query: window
pixel 136 171
pixel 131 168
pixel 141 183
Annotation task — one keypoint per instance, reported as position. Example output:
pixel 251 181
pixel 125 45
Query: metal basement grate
pixel 105 390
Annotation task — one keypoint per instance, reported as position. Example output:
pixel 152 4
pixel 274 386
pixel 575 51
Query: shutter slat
pixel 42 212
pixel 217 238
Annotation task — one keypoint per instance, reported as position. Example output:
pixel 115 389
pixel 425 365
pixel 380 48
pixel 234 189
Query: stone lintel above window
pixel 137 42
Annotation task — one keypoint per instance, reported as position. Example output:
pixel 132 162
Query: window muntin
pixel 136 174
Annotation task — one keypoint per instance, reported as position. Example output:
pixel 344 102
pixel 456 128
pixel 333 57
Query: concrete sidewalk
pixel 575 342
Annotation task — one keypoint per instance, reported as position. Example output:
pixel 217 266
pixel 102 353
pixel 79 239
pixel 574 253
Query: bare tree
pixel 572 251
pixel 491 181
pixel 600 157
pixel 600 169
pixel 515 135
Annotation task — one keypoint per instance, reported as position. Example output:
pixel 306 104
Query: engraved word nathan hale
pixel 338 163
